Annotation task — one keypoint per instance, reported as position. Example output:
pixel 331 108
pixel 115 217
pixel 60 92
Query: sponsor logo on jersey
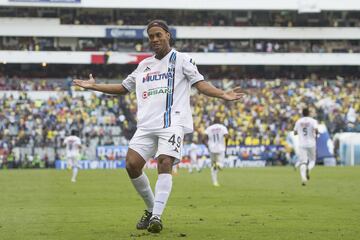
pixel 147 69
pixel 156 91
pixel 155 76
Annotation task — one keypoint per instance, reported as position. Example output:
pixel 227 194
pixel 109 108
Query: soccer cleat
pixel 303 184
pixel 144 221
pixel 216 184
pixel 155 225
pixel 73 180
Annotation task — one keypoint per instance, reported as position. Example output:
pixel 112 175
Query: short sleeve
pixel 190 70
pixel 129 82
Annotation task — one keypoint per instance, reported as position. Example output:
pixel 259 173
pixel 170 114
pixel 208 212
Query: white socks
pixel 74 174
pixel 311 165
pixel 162 191
pixel 142 186
pixel 303 168
pixel 214 175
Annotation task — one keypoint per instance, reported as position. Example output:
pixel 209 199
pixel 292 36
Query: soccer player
pixel 307 129
pixel 216 136
pixel 73 148
pixel 162 85
pixel 194 159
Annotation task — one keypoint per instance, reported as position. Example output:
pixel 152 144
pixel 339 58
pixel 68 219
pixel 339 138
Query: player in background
pixel 216 141
pixel 194 159
pixel 162 84
pixel 73 152
pixel 307 129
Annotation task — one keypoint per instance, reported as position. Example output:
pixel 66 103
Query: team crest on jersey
pixel 155 76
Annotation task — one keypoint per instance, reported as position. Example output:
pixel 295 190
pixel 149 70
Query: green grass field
pixel 252 203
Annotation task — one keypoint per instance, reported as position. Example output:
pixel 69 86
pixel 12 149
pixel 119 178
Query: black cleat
pixel 144 221
pixel 155 225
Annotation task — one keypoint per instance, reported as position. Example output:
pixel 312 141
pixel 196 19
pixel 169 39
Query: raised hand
pixel 87 84
pixel 233 94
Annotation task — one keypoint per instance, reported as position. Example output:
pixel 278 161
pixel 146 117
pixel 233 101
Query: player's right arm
pixel 206 138
pixel 316 128
pixel 105 88
pixel 296 128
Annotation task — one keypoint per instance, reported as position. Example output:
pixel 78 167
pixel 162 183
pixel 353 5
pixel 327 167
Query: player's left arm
pixel 211 91
pixel 197 80
pixel 206 140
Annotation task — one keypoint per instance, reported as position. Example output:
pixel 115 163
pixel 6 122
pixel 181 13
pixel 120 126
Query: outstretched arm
pixel 105 88
pixel 211 91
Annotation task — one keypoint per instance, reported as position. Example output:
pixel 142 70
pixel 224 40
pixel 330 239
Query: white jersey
pixel 73 144
pixel 163 91
pixel 305 128
pixel 216 133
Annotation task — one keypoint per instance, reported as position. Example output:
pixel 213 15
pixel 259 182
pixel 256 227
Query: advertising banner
pixel 131 33
pixel 86 164
pixel 243 152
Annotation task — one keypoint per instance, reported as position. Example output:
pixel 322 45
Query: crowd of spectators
pixel 16 84
pixel 264 117
pixel 189 17
pixel 31 122
pixel 183 45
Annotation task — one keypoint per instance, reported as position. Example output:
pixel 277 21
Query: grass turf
pixel 252 203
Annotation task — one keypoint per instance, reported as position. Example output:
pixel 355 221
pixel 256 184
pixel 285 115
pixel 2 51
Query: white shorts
pixel 307 154
pixel 73 161
pixel 217 157
pixel 152 143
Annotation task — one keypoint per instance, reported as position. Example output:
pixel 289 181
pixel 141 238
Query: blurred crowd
pixel 189 17
pixel 28 122
pixel 14 74
pixel 264 117
pixel 183 45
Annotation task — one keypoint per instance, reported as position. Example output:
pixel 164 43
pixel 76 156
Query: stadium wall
pixel 295 5
pixel 51 27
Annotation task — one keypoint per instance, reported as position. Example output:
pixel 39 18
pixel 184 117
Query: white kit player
pixel 194 159
pixel 307 129
pixel 73 153
pixel 216 136
pixel 162 85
